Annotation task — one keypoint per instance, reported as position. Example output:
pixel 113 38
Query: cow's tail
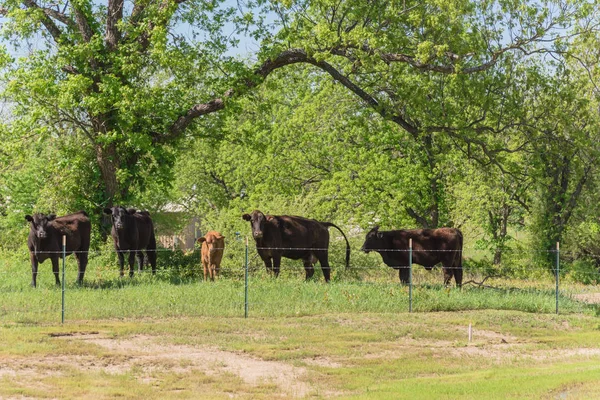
pixel 328 224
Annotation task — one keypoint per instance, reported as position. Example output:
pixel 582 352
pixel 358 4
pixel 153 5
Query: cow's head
pixel 119 216
pixel 373 241
pixel 257 222
pixel 213 241
pixel 40 224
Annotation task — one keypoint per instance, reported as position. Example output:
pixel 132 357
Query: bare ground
pixel 148 357
pixel 144 353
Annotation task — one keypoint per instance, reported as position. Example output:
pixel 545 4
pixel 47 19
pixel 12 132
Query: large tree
pixel 121 82
pixel 440 70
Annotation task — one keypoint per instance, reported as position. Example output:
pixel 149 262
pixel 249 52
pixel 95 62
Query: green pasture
pixel 351 338
pixel 339 355
pixel 179 291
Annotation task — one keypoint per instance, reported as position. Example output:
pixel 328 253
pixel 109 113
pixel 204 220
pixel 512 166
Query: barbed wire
pixel 327 249
pixel 300 267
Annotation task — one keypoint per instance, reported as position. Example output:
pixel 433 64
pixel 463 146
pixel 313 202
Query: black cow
pixel 133 231
pixel 45 241
pixel 430 247
pixel 292 237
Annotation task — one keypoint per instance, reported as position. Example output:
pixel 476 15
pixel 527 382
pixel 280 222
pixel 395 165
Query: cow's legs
pixel 82 260
pixel 324 262
pixel 268 264
pixel 309 269
pixel 55 270
pixel 458 275
pixel 121 257
pixel 205 267
pixel 404 274
pixel 448 272
pixel 276 265
pixel 151 259
pixel 151 253
pixel 140 259
pixel 34 269
pixel 213 271
pixel 452 270
pixel 131 263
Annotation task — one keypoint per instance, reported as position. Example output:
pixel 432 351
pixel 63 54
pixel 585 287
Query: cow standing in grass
pixel 213 245
pixel 292 237
pixel 132 231
pixel 45 241
pixel 430 247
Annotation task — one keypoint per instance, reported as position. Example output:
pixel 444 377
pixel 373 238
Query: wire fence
pixel 247 269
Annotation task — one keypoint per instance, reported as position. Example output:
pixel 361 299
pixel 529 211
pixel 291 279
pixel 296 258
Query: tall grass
pixel 179 291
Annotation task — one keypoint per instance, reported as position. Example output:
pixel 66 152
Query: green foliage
pixel 402 114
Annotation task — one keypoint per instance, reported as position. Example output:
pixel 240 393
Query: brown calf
pixel 213 244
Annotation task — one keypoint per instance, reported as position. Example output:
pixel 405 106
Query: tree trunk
pixel 107 162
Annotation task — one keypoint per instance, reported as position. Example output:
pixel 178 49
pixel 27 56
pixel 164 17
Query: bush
pixel 583 271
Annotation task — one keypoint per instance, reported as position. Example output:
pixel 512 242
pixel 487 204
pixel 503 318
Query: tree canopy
pixel 476 114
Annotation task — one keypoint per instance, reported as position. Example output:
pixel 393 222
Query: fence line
pixel 328 249
pixel 246 267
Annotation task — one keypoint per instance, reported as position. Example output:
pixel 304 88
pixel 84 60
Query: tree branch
pixel 46 21
pixel 82 23
pixel 114 14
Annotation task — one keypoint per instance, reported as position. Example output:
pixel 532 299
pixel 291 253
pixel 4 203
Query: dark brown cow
pixel 292 237
pixel 132 231
pixel 430 247
pixel 213 245
pixel 45 241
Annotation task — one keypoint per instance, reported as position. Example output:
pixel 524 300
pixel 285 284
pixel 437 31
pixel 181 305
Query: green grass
pixel 367 355
pixel 357 328
pixel 176 292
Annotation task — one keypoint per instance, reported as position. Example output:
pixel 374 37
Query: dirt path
pixel 144 353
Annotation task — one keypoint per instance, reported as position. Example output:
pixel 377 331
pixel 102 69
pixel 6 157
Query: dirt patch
pixel 148 356
pixel 322 362
pixel 143 351
pixel 491 336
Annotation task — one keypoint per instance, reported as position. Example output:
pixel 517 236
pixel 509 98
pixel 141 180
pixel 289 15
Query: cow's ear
pixel 51 217
pixel 107 211
pixel 29 218
pixel 246 217
pixel 200 240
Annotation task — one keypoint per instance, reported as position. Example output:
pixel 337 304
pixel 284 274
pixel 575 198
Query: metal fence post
pixel 410 275
pixel 246 281
pixel 557 270
pixel 64 256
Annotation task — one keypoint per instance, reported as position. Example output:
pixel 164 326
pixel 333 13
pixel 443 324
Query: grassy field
pixel 172 336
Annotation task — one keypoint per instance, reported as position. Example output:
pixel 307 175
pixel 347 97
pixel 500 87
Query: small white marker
pixel 470 332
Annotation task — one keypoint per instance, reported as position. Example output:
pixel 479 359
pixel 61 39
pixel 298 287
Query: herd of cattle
pixel 276 236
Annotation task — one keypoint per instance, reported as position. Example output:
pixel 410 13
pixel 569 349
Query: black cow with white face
pixel 45 241
pixel 133 231
pixel 430 247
